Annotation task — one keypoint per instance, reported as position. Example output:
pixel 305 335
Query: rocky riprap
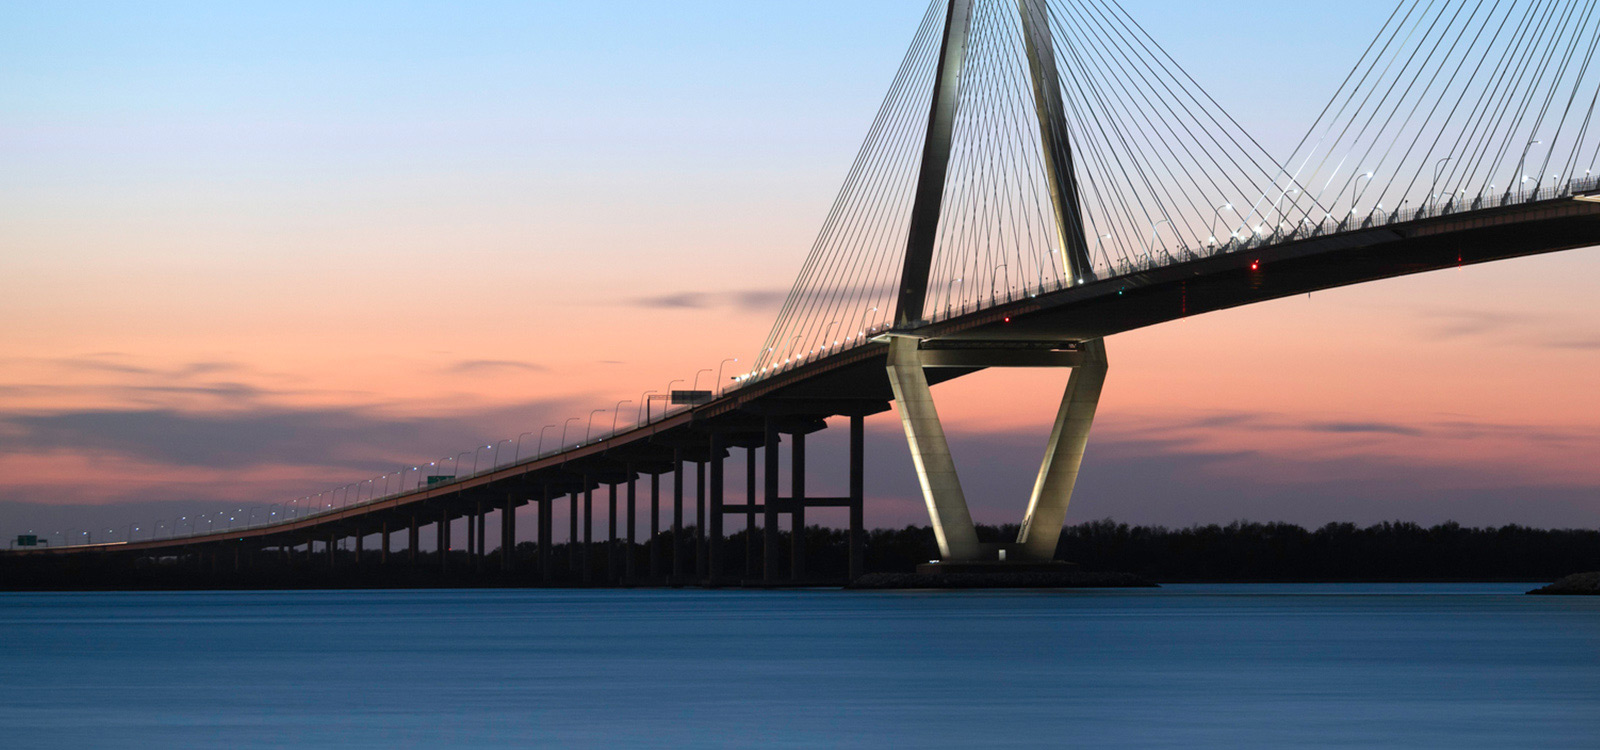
pixel 1577 583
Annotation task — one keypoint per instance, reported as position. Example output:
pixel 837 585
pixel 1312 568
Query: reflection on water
pixel 1227 666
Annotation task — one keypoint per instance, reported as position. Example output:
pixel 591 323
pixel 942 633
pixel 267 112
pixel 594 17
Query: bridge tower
pixel 910 354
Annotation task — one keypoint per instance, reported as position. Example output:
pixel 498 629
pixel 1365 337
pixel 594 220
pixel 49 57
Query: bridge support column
pixel 936 472
pixel 858 535
pixel 412 540
pixel 359 539
pixel 508 534
pixel 546 532
pixel 588 532
pixel 612 572
pixel 769 520
pixel 750 513
pixel 627 561
pixel 482 538
pixel 333 546
pixel 714 550
pixel 655 528
pixel 572 534
pixel 797 513
pixel 1052 490
pixel 472 538
pixel 444 540
pixel 700 567
pixel 930 452
pixel 383 555
pixel 677 516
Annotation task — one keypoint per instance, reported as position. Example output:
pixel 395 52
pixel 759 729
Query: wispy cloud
pixel 748 299
pixel 484 365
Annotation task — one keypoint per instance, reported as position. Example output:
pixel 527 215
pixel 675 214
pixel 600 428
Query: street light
pixel 1216 216
pixel 1353 197
pixel 696 385
pixel 590 427
pixel 496 460
pixel 615 410
pixel 864 315
pixel 719 373
pixel 540 450
pixel 1432 189
pixel 518 456
pixel 1523 160
pixel 569 421
pixel 644 406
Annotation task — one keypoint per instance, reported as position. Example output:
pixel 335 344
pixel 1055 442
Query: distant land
pixel 1239 552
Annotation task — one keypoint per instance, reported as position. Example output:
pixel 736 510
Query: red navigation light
pixel 1255 265
pixel 1008 318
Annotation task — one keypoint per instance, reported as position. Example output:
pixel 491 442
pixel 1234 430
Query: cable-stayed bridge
pixel 1041 175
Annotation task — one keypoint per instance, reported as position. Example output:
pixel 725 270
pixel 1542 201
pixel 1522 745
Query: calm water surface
pixel 1221 666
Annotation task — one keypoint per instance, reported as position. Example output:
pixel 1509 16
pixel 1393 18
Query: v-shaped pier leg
pixel 936 470
pixel 1047 509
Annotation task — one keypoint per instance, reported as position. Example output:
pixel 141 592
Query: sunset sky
pixel 250 251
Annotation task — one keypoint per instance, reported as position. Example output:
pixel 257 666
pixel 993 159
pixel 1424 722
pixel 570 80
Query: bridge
pixel 1041 176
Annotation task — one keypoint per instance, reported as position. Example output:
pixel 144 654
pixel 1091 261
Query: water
pixel 1453 666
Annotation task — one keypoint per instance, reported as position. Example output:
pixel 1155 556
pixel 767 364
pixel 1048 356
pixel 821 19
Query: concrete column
pixel 413 539
pixel 936 471
pixel 383 557
pixel 858 534
pixel 1052 490
pixel 750 513
pixel 714 550
pixel 333 545
pixel 444 539
pixel 546 534
pixel 588 531
pixel 572 533
pixel 655 528
pixel 508 535
pixel 677 516
pixel 627 561
pixel 700 520
pixel 359 540
pixel 797 516
pixel 611 537
pixel 483 521
pixel 769 521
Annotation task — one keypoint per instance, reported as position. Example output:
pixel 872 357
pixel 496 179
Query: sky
pixel 251 251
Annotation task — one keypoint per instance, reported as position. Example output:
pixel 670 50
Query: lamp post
pixel 564 425
pixel 590 427
pixel 669 396
pixel 1216 217
pixel 1522 161
pixel 1433 189
pixel 696 385
pixel 458 462
pixel 1353 197
pixel 615 410
pixel 864 315
pixel 539 451
pixel 644 407
pixel 719 373
pixel 1154 228
pixel 518 455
